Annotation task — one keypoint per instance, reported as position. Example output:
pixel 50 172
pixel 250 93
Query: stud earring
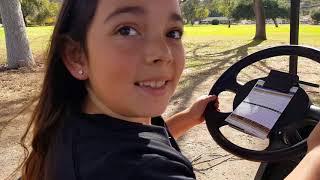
pixel 81 72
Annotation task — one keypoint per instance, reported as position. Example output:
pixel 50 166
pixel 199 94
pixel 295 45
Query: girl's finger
pixel 212 98
pixel 207 98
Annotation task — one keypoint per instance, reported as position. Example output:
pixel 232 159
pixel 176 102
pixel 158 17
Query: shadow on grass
pixel 218 62
pixel 239 52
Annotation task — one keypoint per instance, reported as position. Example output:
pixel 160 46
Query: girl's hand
pixel 196 110
pixel 181 122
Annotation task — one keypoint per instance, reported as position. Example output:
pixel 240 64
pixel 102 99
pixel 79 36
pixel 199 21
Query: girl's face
pixel 135 56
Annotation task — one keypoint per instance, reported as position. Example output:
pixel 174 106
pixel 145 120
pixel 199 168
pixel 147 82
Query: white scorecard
pixel 260 110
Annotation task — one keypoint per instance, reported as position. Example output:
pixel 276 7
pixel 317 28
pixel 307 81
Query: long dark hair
pixel 61 93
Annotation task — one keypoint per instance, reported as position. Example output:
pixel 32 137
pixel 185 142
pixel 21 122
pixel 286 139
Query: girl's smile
pixel 154 87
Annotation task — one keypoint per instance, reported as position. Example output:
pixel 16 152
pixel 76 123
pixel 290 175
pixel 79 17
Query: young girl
pixel 112 66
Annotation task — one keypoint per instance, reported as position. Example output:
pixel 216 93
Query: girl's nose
pixel 157 50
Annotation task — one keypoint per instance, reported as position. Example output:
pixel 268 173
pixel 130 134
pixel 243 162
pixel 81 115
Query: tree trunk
pixel 260 20
pixel 275 22
pixel 229 23
pixel 18 50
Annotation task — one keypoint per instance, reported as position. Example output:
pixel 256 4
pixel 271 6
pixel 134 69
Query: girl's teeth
pixel 160 83
pixel 152 84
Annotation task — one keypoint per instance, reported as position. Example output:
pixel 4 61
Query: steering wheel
pixel 298 110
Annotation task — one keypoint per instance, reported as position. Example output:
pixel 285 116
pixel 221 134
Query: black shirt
pixel 101 147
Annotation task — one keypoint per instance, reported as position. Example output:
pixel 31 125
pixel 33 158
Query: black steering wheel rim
pixel 228 82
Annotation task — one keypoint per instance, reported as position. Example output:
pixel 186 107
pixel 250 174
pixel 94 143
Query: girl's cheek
pixel 129 45
pixel 120 40
pixel 179 55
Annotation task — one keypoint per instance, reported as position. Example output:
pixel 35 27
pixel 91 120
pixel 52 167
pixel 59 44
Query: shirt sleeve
pixel 161 168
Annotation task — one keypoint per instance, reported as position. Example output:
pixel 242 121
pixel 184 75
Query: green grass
pixel 220 37
pixel 38 38
pixel 206 43
pixel 309 34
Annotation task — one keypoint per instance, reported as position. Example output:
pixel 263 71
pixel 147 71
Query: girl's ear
pixel 75 59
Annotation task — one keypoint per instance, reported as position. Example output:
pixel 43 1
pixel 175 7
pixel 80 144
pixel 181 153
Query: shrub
pixel 215 22
pixel 50 21
pixel 39 12
pixel 315 15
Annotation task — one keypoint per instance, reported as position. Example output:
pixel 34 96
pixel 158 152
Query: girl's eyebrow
pixel 176 17
pixel 137 10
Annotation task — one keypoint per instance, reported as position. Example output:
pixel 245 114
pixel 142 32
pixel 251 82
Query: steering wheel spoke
pixel 234 87
pixel 223 122
pixel 215 117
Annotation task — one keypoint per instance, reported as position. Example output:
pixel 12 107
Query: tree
pixel 46 10
pixel 18 50
pixel 189 8
pixel 226 7
pixel 38 11
pixel 43 12
pixel 29 9
pixel 202 12
pixel 315 15
pixel 258 9
pixel 273 10
pixel 243 10
pixel 213 7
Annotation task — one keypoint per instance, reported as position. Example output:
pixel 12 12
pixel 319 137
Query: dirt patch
pixel 17 89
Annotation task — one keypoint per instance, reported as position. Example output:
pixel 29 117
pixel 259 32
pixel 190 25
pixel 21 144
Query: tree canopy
pixel 39 11
pixel 194 10
pixel 226 7
pixel 273 9
pixel 243 10
pixel 189 10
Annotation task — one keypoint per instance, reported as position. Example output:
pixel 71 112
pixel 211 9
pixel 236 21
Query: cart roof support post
pixel 294 33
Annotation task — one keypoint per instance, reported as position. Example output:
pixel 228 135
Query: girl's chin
pixel 153 112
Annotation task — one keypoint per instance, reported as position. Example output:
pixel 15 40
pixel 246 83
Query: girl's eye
pixel 127 31
pixel 176 34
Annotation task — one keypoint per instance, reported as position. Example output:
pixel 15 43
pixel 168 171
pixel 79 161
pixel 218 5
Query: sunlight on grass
pixel 217 38
pixel 309 34
pixel 38 38
pixel 208 44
